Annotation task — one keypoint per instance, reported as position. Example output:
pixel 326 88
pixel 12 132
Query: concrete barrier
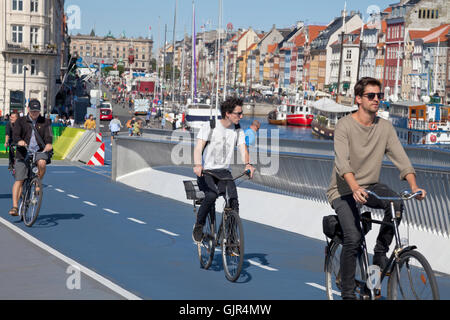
pixel 66 142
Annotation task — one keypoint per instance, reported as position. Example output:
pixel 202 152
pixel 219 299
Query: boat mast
pixel 397 73
pixel 193 67
pixel 218 59
pixel 341 54
pixel 173 53
pixel 183 54
pixel 436 64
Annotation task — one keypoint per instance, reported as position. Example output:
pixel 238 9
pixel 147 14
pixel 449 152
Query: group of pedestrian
pixel 135 126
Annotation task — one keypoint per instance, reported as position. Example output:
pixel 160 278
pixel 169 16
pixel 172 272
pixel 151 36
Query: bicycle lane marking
pixel 256 264
pixel 137 221
pixel 168 232
pixel 318 286
pixel 110 211
pixel 97 277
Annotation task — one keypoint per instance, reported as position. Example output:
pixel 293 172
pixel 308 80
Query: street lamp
pixel 25 69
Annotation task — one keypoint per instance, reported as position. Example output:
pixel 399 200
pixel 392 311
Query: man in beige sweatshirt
pixel 360 142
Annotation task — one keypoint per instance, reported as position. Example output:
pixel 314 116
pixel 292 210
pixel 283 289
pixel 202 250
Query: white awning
pixel 328 105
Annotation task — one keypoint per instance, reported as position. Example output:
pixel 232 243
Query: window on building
pixel 17 5
pixel 34 35
pixel 34 5
pixel 348 71
pixel 428 14
pixel 34 67
pixel 17 34
pixel 349 54
pixel 17 66
pixel 437 14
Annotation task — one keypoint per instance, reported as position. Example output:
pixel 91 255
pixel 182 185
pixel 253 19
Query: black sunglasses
pixel 238 113
pixel 372 95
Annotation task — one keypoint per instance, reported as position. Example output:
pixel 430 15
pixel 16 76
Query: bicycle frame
pixel 399 248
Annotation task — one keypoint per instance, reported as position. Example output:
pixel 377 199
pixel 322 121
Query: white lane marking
pixel 256 264
pixel 137 221
pixel 61 172
pixel 72 196
pixel 107 283
pixel 168 232
pixel 50 186
pixel 59 190
pixel 90 203
pixel 261 265
pixel 110 211
pixel 318 286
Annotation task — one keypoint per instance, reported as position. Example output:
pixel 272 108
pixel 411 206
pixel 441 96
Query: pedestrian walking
pixel 89 124
pixel 251 132
pixel 130 124
pixel 114 127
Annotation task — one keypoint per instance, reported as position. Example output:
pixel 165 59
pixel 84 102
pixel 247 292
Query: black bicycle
pixel 230 235
pixel 410 274
pixel 31 196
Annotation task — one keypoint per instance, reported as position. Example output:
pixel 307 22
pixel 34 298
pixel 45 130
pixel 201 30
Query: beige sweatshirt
pixel 360 150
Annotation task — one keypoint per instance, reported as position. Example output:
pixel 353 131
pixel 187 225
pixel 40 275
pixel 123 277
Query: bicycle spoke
pixel 413 279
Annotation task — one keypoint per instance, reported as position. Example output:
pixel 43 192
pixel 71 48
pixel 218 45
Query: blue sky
pixel 135 16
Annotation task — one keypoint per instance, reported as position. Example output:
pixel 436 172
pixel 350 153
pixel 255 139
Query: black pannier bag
pixel 331 227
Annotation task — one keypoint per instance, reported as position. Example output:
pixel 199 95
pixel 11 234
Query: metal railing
pixel 305 172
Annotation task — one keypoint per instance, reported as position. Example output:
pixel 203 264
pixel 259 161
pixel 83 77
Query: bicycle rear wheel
pixel 232 245
pixel 208 244
pixel 333 284
pixel 31 203
pixel 412 279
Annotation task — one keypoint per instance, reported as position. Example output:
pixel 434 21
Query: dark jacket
pixel 8 132
pixel 22 130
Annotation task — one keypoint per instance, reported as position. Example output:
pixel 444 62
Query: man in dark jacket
pixel 9 139
pixel 25 137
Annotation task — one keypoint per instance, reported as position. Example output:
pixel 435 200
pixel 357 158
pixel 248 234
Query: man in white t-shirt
pixel 214 152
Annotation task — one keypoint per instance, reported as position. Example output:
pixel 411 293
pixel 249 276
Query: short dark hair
pixel 229 105
pixel 363 83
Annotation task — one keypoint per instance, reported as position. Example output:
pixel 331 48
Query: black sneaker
pixel 197 233
pixel 380 260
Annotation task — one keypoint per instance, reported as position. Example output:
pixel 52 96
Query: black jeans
pixel 349 220
pixel 213 188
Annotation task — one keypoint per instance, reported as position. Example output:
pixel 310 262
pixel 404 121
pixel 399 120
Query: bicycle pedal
pixel 377 294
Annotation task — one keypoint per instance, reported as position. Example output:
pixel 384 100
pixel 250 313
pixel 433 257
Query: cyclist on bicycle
pixel 214 151
pixel 360 142
pixel 37 140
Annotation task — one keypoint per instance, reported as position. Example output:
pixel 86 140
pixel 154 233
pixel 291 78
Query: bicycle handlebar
pixel 405 195
pixel 247 172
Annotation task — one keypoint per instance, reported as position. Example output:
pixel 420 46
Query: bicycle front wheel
pixel 232 246
pixel 412 279
pixel 208 244
pixel 31 203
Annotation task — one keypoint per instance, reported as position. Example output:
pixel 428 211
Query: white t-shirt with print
pixel 219 152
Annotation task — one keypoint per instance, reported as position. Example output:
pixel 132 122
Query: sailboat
pixel 197 114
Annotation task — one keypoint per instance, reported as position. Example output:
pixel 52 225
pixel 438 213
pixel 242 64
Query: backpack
pixel 212 125
pixel 129 124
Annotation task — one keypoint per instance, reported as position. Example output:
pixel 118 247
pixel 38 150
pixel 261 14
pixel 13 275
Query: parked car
pixel 106 114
